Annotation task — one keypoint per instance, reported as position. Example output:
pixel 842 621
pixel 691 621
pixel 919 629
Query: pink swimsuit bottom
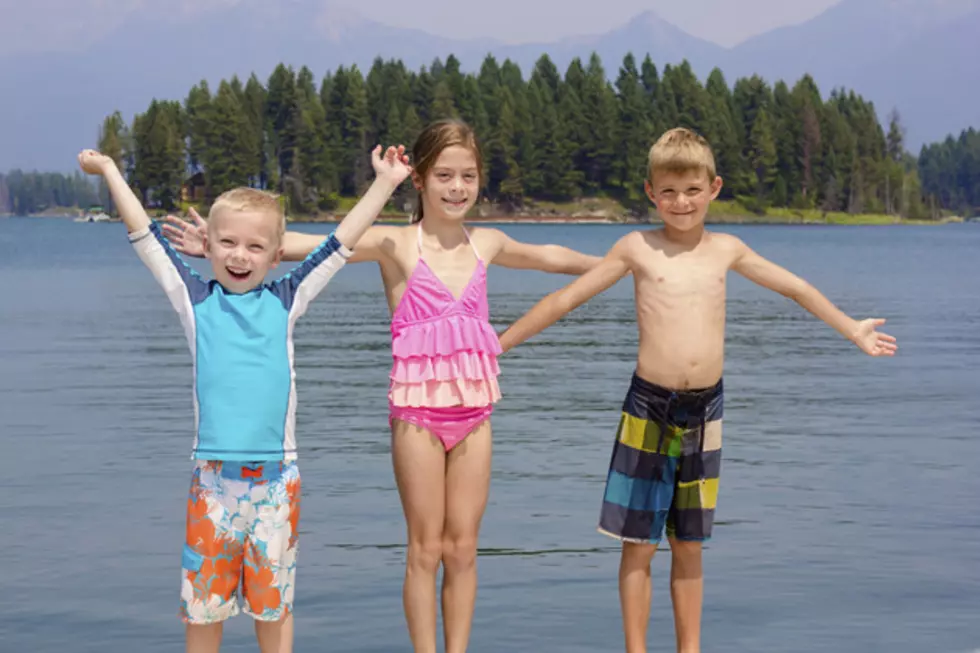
pixel 444 375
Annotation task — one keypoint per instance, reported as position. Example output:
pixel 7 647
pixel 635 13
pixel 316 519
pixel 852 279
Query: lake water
pixel 848 516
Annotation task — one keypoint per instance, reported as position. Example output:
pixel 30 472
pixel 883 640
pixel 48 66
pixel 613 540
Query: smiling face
pixel 451 184
pixel 243 245
pixel 682 198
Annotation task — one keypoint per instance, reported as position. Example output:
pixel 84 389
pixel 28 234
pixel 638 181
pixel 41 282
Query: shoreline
pixel 589 218
pixel 856 220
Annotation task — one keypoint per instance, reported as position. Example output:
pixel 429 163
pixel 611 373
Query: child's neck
pixel 448 233
pixel 687 239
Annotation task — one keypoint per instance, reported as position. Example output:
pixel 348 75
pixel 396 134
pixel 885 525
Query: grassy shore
pixel 599 210
pixel 608 211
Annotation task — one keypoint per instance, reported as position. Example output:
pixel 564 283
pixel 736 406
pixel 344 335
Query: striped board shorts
pixel 665 465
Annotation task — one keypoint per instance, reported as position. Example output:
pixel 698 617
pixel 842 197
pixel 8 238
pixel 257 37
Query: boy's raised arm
pixel 130 210
pixel 767 274
pixel 391 169
pixel 613 267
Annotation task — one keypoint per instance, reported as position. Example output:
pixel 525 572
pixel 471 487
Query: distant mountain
pixel 645 34
pixel 62 98
pixel 890 51
pixel 933 80
pixel 55 102
pixel 849 34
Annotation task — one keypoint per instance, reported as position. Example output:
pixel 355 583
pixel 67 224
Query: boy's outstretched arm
pixel 130 210
pixel 613 267
pixel 767 274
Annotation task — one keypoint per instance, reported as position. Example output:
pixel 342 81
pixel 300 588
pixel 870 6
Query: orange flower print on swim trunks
pixel 261 591
pixel 240 531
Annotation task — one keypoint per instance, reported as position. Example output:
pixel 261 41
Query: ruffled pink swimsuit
pixel 444 374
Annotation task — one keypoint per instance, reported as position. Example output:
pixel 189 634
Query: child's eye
pixel 226 242
pixel 256 248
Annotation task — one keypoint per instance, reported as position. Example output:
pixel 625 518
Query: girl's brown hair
pixel 436 137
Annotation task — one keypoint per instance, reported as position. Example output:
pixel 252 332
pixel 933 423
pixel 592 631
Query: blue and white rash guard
pixel 242 348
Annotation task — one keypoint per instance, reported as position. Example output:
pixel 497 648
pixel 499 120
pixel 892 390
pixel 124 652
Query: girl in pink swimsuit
pixel 444 376
pixel 444 367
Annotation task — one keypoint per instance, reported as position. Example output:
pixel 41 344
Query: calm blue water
pixel 848 517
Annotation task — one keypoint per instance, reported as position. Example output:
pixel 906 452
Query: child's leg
pixel 467 487
pixel 212 559
pixel 420 470
pixel 635 592
pixel 272 512
pixel 275 636
pixel 203 639
pixel 687 593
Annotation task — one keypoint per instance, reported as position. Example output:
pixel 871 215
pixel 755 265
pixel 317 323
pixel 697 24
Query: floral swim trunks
pixel 242 523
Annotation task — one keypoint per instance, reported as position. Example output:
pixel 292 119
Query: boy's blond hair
pixel 680 150
pixel 252 199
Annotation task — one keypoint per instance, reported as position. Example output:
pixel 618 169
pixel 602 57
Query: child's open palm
pixel 871 341
pixel 186 238
pixel 392 165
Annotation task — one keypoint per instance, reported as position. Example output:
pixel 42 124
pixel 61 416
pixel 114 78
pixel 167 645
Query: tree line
pixel 547 137
pixel 950 172
pixel 24 193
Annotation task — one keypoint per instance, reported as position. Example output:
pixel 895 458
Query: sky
pixel 39 25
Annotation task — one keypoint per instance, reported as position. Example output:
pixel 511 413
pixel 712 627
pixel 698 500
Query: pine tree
pixel 281 108
pixel 633 130
pixel 442 102
pixel 762 155
pixel 723 135
pixel 112 144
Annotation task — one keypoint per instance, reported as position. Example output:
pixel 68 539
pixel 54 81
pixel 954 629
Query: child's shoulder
pixel 398 235
pixel 721 240
pixel 485 233
pixel 641 238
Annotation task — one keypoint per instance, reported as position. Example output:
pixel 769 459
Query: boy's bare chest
pixel 692 279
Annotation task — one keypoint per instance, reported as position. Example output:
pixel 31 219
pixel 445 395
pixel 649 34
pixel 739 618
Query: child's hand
pixel 94 163
pixel 393 166
pixel 186 238
pixel 872 342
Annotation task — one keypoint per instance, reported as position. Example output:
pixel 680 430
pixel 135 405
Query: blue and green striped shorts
pixel 665 464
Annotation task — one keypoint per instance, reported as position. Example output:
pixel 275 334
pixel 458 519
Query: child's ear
pixel 416 180
pixel 649 191
pixel 205 245
pixel 716 187
pixel 277 258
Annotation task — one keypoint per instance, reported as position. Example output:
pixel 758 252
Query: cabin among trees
pixel 194 189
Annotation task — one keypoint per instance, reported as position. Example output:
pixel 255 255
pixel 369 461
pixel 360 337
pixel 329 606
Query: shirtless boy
pixel 667 453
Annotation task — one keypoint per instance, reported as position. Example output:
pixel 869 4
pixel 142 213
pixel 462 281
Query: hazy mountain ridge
pixel 916 54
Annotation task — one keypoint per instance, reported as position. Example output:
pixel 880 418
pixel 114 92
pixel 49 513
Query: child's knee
pixel 686 556
pixel 459 553
pixel 637 554
pixel 425 554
